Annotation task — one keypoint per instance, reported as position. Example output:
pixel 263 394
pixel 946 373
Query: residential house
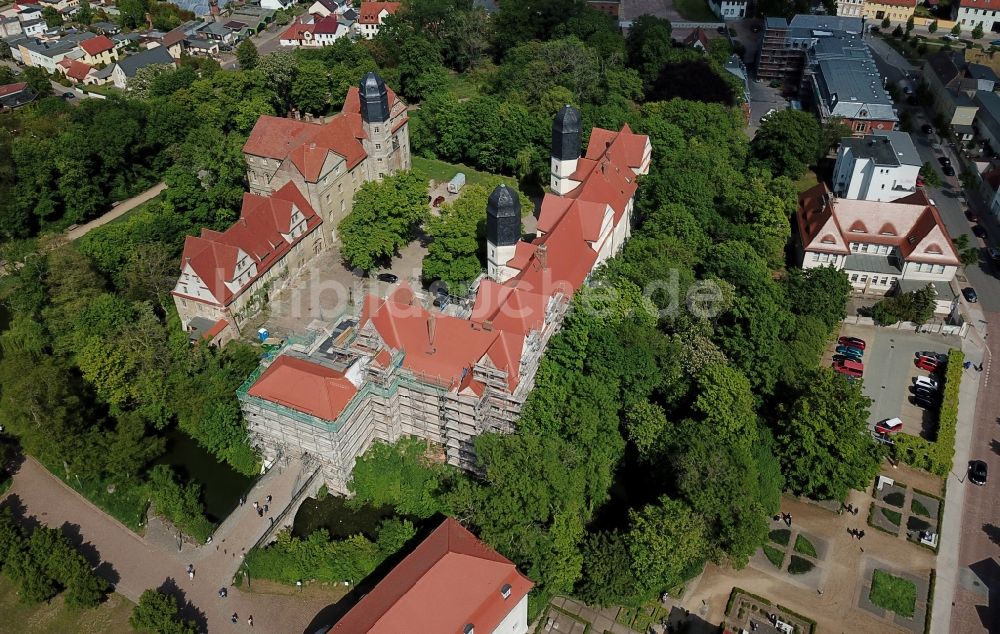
pixel 59 5
pixel 403 367
pixel 472 587
pixel 985 13
pixel 256 18
pixel 953 83
pixel 106 28
pixel 34 28
pixel 201 47
pixel 610 8
pixel 324 8
pixel 10 27
pixel 218 32
pixel 373 14
pixel 173 41
pixel 76 70
pixel 990 189
pixel 312 30
pixel 882 166
pixel 15 42
pixel 729 9
pixel 127 67
pixel 99 50
pixel 898 11
pixel 15 95
pixel 881 246
pixel 987 123
pixel 276 5
pixel 697 39
pixel 851 8
pixel 47 54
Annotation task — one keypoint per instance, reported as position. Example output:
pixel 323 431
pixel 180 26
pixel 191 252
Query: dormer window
pixel 505 591
pixel 468 629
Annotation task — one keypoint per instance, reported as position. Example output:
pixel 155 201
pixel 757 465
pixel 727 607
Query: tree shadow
pixel 681 621
pixel 995 446
pixel 988 571
pixel 93 556
pixel 186 609
pixel 20 512
pixel 993 532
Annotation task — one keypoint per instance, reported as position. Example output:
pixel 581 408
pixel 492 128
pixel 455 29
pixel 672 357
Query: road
pixel 974 579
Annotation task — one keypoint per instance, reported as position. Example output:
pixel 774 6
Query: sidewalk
pixel 951 525
pixel 118 211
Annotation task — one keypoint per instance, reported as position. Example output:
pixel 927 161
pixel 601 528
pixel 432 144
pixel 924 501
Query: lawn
pixel 774 555
pixel 892 516
pixel 780 536
pixel 799 566
pixel 55 616
pixel 893 593
pixel 918 508
pixel 807 181
pixel 461 87
pixel 895 498
pixel 126 501
pixel 695 10
pixel 442 172
pixel 804 546
pixel 152 203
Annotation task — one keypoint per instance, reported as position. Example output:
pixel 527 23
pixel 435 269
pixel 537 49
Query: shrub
pixel 936 456
pixel 774 555
pixel 780 536
pixel 804 546
pixel 918 507
pixel 799 566
pixel 893 593
pixel 179 503
pixel 893 516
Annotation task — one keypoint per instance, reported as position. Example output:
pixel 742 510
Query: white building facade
pixel 882 167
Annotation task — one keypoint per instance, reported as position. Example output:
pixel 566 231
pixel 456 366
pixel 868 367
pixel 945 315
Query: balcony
pixel 878 264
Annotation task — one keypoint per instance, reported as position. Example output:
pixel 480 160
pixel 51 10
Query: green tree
pixel 607 574
pixel 956 30
pixel 649 45
pixel 967 254
pixel 310 88
pixel 246 55
pixel 977 31
pixel 932 27
pixel 5 52
pixel 38 79
pixel 179 503
pixel 898 31
pixel 454 255
pixel 383 219
pixel 132 13
pixel 400 475
pixel 85 14
pixel 820 292
pixel 667 545
pixel 931 178
pixel 158 613
pixel 823 441
pixel 52 17
pixel 886 23
pixel 915 306
pixel 909 24
pixel 789 142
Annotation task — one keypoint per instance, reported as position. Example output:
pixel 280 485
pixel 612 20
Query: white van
pixel 926 381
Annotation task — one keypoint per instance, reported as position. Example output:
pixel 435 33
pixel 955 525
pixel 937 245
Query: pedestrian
pixel 267 499
pixel 260 512
pixel 242 500
pixel 861 534
pixel 789 520
pixel 255 505
pixel 223 593
pixel 250 620
pixel 265 508
pixel 190 568
pixel 850 532
pixel 272 520
pixel 235 618
pixel 819 591
pixel 856 509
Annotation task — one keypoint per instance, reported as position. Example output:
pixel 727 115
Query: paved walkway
pixel 135 563
pixel 118 211
pixel 842 578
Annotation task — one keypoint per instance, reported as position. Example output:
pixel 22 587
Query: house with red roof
pixel 75 70
pixel 15 95
pixel 448 376
pixel 880 245
pixel 372 15
pixel 226 275
pixel 471 587
pixel 314 30
pixel 98 50
pixel 328 160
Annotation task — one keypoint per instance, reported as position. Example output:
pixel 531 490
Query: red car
pixel 927 363
pixel 889 426
pixel 852 342
pixel 849 368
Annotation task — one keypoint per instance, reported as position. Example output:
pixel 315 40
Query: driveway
pixel 762 99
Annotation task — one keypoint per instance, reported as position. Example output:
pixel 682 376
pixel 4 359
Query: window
pixel 378 146
pixel 377 129
pixel 863 279
pixel 939 268
pixel 854 278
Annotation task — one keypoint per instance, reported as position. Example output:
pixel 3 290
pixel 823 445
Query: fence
pixel 936 328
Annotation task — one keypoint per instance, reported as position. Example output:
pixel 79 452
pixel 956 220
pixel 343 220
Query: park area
pixel 55 616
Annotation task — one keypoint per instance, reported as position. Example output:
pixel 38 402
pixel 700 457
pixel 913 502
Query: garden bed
pixel 774 555
pixel 893 593
pixel 780 536
pixel 799 565
pixel 804 546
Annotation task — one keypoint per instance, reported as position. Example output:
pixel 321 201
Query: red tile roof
pixel 899 3
pixel 10 89
pixel 78 70
pixel 307 144
pixel 97 45
pixel 297 30
pixel 327 26
pixel 450 580
pixel 215 330
pixel 258 233
pixel 699 35
pixel 370 11
pixel 304 386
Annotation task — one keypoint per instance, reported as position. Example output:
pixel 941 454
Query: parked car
pixel 994 254
pixel 853 342
pixel 977 472
pixel 928 364
pixel 937 356
pixel 889 426
pixel 850 367
pixel 927 128
pixel 840 358
pixel 979 232
pixel 948 170
pixel 388 278
pixel 926 381
pixel 969 294
pixel 924 402
pixel 995 43
pixel 849 351
pixel 68 95
pixel 971 215
pixel 944 160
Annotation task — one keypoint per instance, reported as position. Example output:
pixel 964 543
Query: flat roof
pixel 885 148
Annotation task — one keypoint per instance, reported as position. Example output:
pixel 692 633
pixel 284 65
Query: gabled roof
pixel 327 26
pixel 10 89
pixel 449 581
pixel 78 70
pixel 370 11
pixel 986 5
pixel 305 386
pixel 157 55
pixel 698 35
pixel 97 45
pixel 258 233
pixel 307 144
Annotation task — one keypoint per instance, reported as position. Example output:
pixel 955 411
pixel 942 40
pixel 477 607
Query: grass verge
pixel 442 172
pixel 893 593
pixel 804 546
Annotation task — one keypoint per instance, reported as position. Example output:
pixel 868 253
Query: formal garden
pixel 918 513
pixel 797 556
pixel 748 611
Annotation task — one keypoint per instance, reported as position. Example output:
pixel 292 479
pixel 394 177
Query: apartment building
pixel 880 167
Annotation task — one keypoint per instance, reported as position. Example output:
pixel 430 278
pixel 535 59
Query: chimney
pixel 488 325
pixel 312 145
pixel 543 256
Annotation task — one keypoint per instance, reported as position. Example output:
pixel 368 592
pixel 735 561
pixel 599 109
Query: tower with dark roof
pixel 503 230
pixel 565 149
pixel 376 118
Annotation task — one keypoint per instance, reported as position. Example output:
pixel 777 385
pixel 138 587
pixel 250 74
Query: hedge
pixel 936 456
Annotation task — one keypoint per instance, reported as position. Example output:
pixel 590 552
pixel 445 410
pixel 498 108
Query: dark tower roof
pixel 566 134
pixel 503 217
pixel 374 99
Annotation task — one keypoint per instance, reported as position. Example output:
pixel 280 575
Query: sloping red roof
pixel 78 70
pixel 10 89
pixel 987 5
pixel 450 580
pixel 215 330
pixel 296 32
pixel 97 45
pixel 327 26
pixel 304 386
pixel 370 11
pixel 897 3
pixel 307 144
pixel 699 35
pixel 258 233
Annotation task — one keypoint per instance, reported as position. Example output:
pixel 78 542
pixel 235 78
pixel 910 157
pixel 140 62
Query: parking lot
pixel 889 373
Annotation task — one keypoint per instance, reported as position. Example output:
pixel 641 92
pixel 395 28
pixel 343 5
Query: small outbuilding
pixel 456 183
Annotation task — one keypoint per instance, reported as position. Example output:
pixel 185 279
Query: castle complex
pixel 404 367
pixel 302 176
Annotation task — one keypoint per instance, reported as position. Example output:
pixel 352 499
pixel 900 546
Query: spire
pixel 374 99
pixel 566 134
pixel 503 217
